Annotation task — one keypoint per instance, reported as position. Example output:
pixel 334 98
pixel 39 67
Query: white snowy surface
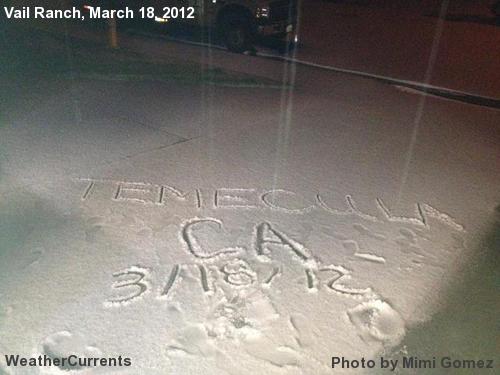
pixel 206 230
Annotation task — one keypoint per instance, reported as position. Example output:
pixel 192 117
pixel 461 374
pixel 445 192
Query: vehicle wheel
pixel 237 33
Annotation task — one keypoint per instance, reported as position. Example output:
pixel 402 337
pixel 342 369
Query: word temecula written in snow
pixel 281 200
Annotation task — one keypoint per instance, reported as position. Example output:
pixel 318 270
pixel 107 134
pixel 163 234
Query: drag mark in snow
pixel 136 281
pixel 353 246
pixel 444 218
pixel 401 219
pixel 137 192
pixel 238 273
pixel 204 279
pixel 370 257
pixel 118 191
pixel 199 199
pixel 88 190
pixel 171 280
pixel 340 272
pixel 172 190
pixel 311 280
pixel 422 210
pixel 234 198
pixel 354 209
pixel 270 202
pixel 263 240
pixel 193 245
pixel 162 195
pixel 275 273
pixel 351 208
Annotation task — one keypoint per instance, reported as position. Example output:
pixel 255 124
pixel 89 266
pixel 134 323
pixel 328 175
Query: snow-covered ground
pixel 213 230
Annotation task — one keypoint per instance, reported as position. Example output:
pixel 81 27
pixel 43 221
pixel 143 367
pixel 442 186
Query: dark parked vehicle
pixel 496 9
pixel 238 22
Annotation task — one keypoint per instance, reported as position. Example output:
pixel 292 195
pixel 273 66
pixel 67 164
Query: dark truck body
pixel 495 8
pixel 233 19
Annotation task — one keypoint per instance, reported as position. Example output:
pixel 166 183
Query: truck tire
pixel 237 32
